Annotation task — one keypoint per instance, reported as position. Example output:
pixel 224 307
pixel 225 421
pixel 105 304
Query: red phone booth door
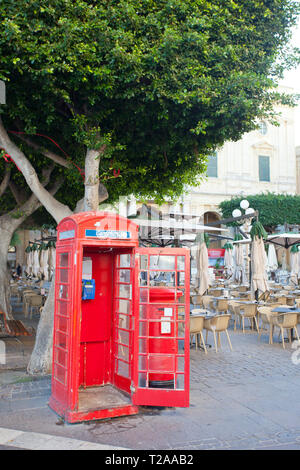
pixel 161 349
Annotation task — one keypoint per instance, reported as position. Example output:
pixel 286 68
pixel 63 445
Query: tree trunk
pixel 5 237
pixel 91 184
pixel 41 358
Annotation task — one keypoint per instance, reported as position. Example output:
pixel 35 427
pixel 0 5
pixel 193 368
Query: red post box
pixel 121 322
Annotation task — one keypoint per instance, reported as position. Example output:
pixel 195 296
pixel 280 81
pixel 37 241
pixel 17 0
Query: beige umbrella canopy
pixel 259 264
pixel 202 268
pixel 239 275
pixel 29 260
pixel 272 258
pixel 51 265
pixel 44 255
pixel 294 266
pixel 228 260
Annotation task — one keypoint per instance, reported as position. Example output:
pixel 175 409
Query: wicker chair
pixel 234 309
pixel 266 315
pixel 217 325
pixel 281 299
pixel 234 293
pixel 206 301
pixel 196 328
pixel 286 321
pixel 248 311
pixel 215 292
pixel 196 300
pixel 222 305
pixel 242 288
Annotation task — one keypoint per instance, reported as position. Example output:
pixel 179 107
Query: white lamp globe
pixel 244 204
pixel 236 213
pixel 249 210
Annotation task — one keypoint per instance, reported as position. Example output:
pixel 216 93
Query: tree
pixel 274 209
pixel 17 204
pixel 146 88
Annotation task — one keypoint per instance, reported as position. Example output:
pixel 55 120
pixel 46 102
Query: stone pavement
pixel 245 399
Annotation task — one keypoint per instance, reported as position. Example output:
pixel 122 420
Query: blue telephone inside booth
pixel 88 284
pixel 88 289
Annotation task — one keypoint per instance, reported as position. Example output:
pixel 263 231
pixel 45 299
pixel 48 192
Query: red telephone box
pixel 121 323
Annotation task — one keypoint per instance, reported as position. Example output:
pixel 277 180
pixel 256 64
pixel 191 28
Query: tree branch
pixel 47 153
pixel 54 207
pixel 17 194
pixel 5 181
pixel 91 193
pixel 19 214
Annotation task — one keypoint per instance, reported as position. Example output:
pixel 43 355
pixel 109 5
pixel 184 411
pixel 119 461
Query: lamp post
pixel 244 205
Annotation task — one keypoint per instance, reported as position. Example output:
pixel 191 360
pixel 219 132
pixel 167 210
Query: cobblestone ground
pixel 244 399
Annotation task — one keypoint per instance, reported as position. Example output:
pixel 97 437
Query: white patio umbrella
pixel 259 262
pixel 286 239
pixel 202 268
pixel 28 267
pixel 272 258
pixel 51 261
pixel 44 256
pixel 294 266
pixel 228 260
pixel 35 263
pixel 239 275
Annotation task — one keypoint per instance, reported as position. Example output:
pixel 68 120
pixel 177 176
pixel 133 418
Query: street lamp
pixel 236 213
pixel 244 204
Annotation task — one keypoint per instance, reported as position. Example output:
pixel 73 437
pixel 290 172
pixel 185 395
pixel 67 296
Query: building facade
pixel 262 161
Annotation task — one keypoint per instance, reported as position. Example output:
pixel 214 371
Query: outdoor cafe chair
pixel 234 308
pixel 286 321
pixel 281 299
pixel 196 299
pixel 222 305
pixel 26 296
pixel 234 293
pixel 215 292
pixel 218 324
pixel 35 303
pixel 242 288
pixel 266 316
pixel 248 311
pixel 196 328
pixel 14 291
pixel 207 301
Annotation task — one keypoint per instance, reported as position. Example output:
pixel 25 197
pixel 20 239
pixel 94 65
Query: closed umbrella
pixel 44 255
pixel 294 265
pixel 239 271
pixel 52 256
pixel 202 268
pixel 259 260
pixel 228 260
pixel 259 263
pixel 28 267
pixel 36 261
pixel 272 259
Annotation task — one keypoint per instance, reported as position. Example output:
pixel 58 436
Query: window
pixel 263 128
pixel 264 168
pixel 212 165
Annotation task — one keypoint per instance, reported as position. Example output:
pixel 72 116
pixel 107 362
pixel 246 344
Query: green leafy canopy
pixel 160 83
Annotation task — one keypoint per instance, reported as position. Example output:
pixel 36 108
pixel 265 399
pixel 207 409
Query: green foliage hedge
pixel 274 209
